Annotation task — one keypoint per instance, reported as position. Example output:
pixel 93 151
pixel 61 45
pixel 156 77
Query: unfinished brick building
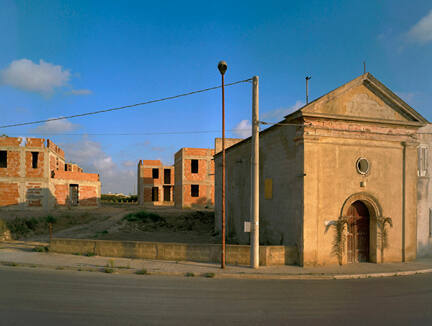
pixel 155 183
pixel 189 183
pixel 34 174
pixel 194 177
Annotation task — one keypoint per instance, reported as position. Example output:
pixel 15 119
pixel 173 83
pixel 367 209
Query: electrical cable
pixel 123 107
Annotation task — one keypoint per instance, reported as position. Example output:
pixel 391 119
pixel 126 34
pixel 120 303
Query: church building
pixel 338 179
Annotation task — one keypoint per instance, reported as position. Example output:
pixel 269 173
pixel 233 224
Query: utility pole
pixel 307 88
pixel 364 67
pixel 254 241
pixel 222 66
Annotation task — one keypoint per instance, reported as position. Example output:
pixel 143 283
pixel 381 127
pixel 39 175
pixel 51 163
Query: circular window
pixel 362 165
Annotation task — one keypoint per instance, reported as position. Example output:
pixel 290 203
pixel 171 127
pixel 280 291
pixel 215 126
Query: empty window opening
pixel 167 176
pixel 155 194
pixel 194 190
pixel 73 194
pixel 155 173
pixel 167 193
pixel 3 159
pixel 194 166
pixel 35 156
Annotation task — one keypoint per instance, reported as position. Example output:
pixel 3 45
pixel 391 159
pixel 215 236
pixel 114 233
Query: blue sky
pixel 67 57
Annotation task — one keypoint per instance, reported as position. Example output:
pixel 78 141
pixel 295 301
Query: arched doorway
pixel 358 233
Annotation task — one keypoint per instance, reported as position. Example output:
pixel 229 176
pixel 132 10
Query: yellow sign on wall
pixel 268 188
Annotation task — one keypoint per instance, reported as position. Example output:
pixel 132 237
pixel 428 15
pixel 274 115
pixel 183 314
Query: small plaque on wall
pixel 247 226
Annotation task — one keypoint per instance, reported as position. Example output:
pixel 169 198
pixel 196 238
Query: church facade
pixel 338 178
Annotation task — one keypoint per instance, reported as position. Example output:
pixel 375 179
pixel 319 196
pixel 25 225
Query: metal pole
pixel 255 176
pixel 223 174
pixel 222 66
pixel 307 88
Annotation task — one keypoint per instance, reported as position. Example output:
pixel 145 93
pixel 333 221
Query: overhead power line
pixel 130 133
pixel 123 107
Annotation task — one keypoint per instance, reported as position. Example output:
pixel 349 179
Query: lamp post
pixel 222 66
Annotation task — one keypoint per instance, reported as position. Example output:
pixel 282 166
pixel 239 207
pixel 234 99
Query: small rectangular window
pixel 155 173
pixel 194 190
pixel 194 166
pixel 35 156
pixel 3 159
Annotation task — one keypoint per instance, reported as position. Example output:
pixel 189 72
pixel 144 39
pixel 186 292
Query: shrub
pixel 143 216
pixel 40 249
pixel 141 271
pixel 108 270
pixel 209 275
pixel 189 274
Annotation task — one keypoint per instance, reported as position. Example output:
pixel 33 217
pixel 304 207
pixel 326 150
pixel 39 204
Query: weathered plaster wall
pixel 281 204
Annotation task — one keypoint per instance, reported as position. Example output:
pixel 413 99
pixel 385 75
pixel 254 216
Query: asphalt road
pixel 44 297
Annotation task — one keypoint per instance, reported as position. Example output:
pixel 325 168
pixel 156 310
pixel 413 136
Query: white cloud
pixel 422 31
pixel 243 129
pixel 55 127
pixel 129 164
pixel 80 92
pixel 278 114
pixel 93 159
pixel 27 75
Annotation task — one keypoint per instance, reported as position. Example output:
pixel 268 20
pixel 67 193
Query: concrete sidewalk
pixel 16 253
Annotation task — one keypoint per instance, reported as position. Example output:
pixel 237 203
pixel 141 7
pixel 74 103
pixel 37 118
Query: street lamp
pixel 222 66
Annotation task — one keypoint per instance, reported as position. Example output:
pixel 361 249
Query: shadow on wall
pixel 424 249
pixel 202 203
pixel 36 197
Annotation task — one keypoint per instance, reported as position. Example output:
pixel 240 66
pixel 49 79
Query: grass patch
pixel 189 274
pixel 142 271
pixel 60 268
pixel 209 275
pixel 9 263
pixel 108 270
pixel 40 249
pixel 89 254
pixel 143 216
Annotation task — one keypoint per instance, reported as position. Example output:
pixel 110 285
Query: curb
pixel 133 271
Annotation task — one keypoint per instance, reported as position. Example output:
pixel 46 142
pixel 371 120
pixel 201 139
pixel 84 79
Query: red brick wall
pixel 10 141
pixel 203 199
pixel 34 173
pixel 55 148
pixel 35 142
pixel 79 176
pixel 9 194
pixel 147 194
pixel 61 194
pixel 13 165
pixel 87 195
pixel 203 171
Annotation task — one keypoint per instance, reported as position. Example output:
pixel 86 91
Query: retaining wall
pixel 235 254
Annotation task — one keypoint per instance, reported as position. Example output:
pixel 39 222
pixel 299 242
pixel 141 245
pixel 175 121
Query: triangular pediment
pixel 362 99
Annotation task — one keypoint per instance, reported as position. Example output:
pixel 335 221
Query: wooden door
pixel 358 233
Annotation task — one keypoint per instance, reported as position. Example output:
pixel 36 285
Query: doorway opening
pixel 358 233
pixel 73 194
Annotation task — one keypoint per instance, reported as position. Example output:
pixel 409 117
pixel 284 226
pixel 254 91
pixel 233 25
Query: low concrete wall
pixel 235 254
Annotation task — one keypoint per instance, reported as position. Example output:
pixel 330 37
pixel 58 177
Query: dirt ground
pixel 168 224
